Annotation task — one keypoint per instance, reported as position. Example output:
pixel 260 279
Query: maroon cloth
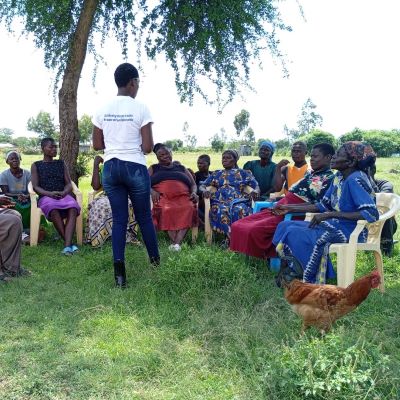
pixel 253 235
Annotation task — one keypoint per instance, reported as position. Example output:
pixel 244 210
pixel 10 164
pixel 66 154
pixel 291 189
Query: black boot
pixel 119 274
pixel 155 261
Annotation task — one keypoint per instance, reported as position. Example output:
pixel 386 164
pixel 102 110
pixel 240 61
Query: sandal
pixel 74 248
pixel 67 251
pixel 286 273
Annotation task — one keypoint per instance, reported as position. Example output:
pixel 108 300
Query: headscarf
pixel 234 154
pixel 362 152
pixel 268 144
pixel 12 152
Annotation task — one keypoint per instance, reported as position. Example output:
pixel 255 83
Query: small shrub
pixel 318 370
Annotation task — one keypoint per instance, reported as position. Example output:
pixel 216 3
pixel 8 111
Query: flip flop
pixel 67 251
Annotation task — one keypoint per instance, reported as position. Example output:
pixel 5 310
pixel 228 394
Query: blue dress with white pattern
pixel 310 245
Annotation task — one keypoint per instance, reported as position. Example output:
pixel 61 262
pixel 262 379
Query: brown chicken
pixel 322 305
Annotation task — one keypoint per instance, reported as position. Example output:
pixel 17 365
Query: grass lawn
pixel 205 325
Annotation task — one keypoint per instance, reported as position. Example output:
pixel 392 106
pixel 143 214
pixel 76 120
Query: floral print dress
pixel 229 202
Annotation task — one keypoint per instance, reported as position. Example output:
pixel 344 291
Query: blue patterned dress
pixel 310 245
pixel 229 203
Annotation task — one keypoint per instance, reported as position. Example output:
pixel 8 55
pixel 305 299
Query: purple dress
pixel 51 178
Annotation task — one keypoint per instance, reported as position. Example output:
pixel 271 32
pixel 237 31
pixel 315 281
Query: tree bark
pixel 67 95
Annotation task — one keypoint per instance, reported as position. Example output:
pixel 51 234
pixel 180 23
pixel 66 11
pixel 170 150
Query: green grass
pixel 205 325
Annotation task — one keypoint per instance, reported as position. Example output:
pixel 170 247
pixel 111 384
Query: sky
pixel 344 55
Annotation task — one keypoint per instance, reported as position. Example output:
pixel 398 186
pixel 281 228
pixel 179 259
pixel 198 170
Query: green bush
pixel 341 370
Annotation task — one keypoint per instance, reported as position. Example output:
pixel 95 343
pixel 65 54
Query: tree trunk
pixel 67 96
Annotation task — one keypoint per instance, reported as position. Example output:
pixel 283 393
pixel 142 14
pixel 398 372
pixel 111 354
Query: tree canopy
pixel 85 127
pixel 384 143
pixel 317 136
pixel 241 121
pixel 6 135
pixel 215 40
pixel 309 119
pixel 43 124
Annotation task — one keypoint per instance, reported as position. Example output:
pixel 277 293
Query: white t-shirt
pixel 121 120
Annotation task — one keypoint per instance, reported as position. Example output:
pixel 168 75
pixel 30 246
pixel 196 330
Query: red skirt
pixel 253 235
pixel 175 210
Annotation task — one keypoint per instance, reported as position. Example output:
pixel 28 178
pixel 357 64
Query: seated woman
pixel 51 181
pixel 349 198
pixel 263 169
pixel 99 218
pixel 203 165
pixel 173 192
pixel 229 202
pixel 14 183
pixel 253 235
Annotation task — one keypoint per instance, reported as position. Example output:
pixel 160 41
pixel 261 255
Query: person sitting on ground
pixel 203 165
pixel 14 183
pixel 285 174
pixel 253 235
pixel 99 218
pixel 173 192
pixel 51 181
pixel 303 245
pixel 10 241
pixel 229 202
pixel 390 225
pixel 263 169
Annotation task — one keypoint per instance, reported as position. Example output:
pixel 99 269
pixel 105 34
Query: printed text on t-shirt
pixel 118 117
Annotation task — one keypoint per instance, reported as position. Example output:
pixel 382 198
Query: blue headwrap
pixel 268 144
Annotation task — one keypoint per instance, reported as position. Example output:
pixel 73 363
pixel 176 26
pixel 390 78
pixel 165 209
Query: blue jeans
pixel 120 180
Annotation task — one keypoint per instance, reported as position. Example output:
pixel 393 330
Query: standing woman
pixel 122 128
pixel 51 181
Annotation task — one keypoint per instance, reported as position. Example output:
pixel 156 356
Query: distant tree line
pixel 385 143
pixel 43 125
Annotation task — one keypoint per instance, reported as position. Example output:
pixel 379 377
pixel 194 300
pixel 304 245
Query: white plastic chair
pixel 36 213
pixel 207 226
pixel 388 205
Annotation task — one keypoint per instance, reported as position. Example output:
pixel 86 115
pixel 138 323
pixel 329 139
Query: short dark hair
pixel 46 140
pixel 206 158
pixel 301 144
pixel 159 146
pixel 325 148
pixel 124 73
